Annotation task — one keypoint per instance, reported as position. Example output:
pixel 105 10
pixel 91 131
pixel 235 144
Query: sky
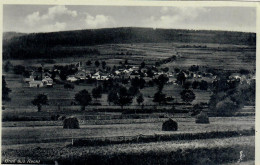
pixel 50 18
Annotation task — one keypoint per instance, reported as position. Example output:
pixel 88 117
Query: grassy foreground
pixel 207 151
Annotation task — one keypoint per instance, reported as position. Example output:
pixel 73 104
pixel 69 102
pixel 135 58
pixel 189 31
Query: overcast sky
pixel 43 18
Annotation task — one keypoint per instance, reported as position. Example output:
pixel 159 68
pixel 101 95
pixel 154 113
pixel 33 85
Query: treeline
pixel 37 45
pixel 12 51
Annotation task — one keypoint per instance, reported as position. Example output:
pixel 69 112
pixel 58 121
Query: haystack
pixel 71 123
pixel 202 118
pixel 170 125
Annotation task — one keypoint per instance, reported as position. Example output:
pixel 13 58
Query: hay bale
pixel 170 125
pixel 202 118
pixel 71 123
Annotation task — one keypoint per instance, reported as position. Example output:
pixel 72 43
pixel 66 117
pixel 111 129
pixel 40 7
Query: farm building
pixel 71 79
pixel 36 84
pixel 81 75
pixel 47 81
pixel 96 76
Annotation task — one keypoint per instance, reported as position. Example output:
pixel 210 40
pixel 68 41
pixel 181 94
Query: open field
pixel 33 134
pixel 48 141
pixel 212 150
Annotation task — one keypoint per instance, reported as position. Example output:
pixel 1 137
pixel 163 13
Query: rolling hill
pixel 41 45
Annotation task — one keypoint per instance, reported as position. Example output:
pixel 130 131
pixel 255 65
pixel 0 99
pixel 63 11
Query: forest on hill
pixel 46 45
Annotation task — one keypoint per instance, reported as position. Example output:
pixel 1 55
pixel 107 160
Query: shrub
pixel 170 125
pixel 226 108
pixel 202 118
pixel 71 123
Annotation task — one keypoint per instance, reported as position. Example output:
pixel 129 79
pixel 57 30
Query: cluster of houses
pixel 45 82
pixel 43 79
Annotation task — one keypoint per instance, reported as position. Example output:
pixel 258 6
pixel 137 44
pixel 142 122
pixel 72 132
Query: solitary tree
pixel 5 90
pixel 88 63
pixel 112 97
pixel 159 97
pixel 181 78
pixel 203 85
pixel 124 98
pixel 142 65
pixel 140 99
pixel 97 92
pixel 97 63
pixel 187 95
pixel 83 98
pixel 161 81
pixel 104 64
pixel 40 100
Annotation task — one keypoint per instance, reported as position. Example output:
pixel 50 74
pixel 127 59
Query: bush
pixel 202 118
pixel 71 123
pixel 170 125
pixel 226 108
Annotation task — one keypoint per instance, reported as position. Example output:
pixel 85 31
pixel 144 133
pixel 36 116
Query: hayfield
pixel 55 133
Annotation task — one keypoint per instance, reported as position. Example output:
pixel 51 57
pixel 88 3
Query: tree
pixel 7 66
pixel 186 85
pixel 161 81
pixel 187 95
pixel 88 63
pixel 112 97
pixel 194 68
pixel 142 65
pixel 18 69
pixel 97 63
pixel 150 73
pixel 5 90
pixel 195 84
pixel 126 62
pixel 159 97
pixel 104 64
pixel 133 90
pixel 166 69
pixel 181 78
pixel 203 85
pixel 177 70
pixel 97 92
pixel 83 98
pixel 140 99
pixel 40 100
pixel 124 98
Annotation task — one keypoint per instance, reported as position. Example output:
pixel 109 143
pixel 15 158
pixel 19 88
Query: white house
pixel 96 76
pixel 71 79
pixel 47 81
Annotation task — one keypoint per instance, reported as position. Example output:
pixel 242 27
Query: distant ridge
pixel 21 45
pixel 11 35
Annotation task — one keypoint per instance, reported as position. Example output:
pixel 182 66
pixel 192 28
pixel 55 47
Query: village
pixel 82 72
